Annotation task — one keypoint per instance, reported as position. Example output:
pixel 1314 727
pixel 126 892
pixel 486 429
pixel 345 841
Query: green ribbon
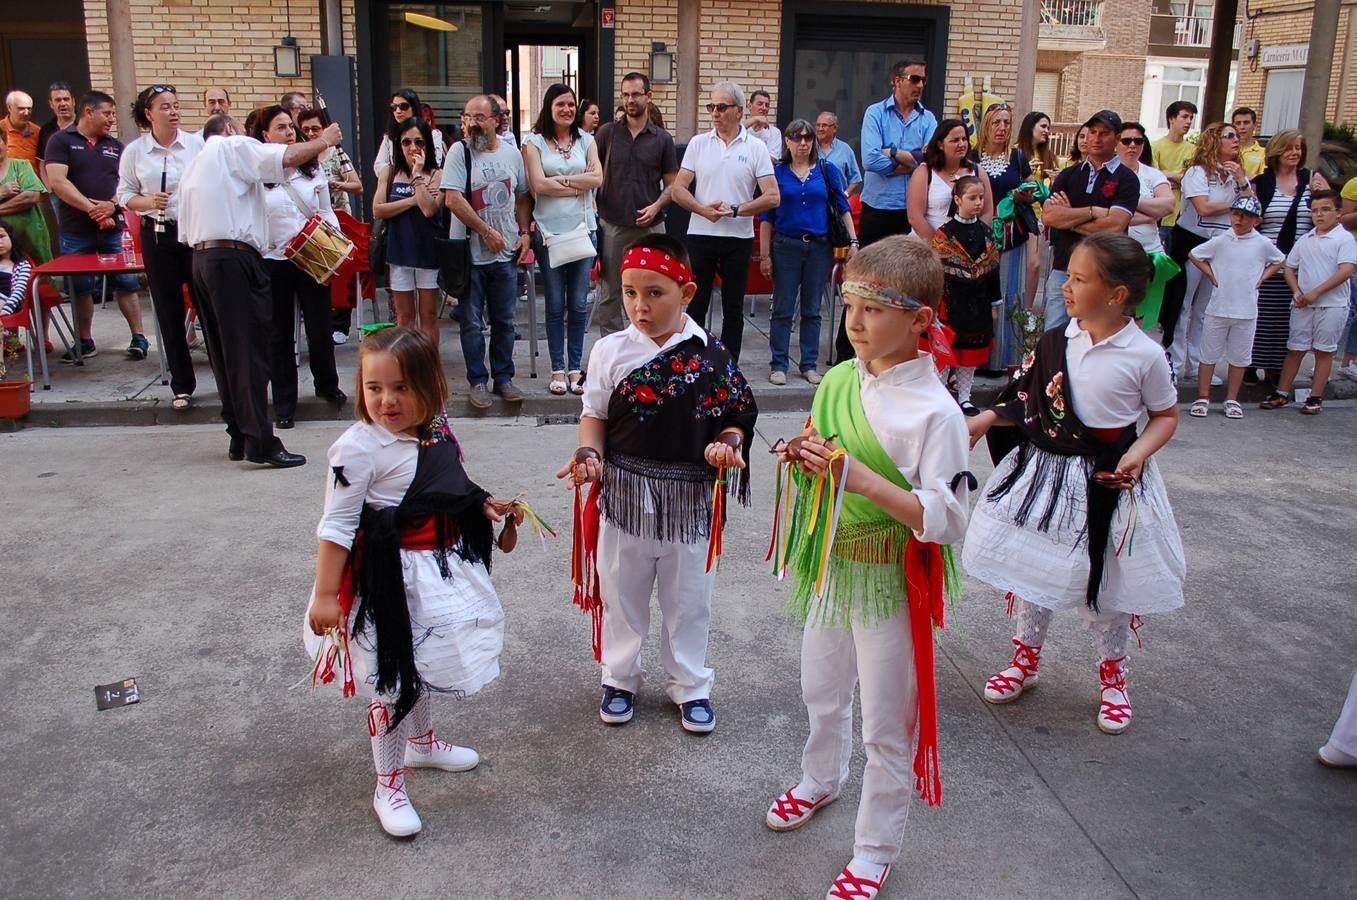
pixel 375 326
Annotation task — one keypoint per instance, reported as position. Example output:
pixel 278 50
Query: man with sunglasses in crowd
pixel 721 169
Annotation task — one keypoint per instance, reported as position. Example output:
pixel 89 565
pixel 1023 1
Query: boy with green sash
pixel 868 499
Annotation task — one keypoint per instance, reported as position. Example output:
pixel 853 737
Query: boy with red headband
pixel 666 414
pixel 867 553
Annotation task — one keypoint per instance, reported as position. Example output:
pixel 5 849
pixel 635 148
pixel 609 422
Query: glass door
pixel 529 70
pixel 436 50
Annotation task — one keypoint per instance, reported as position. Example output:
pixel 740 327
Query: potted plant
pixel 15 399
pixel 1025 327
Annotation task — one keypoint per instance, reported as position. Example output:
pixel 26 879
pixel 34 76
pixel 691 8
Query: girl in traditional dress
pixel 1076 515
pixel 403 601
pixel 970 263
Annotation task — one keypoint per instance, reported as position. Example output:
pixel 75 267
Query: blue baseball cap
pixel 1248 204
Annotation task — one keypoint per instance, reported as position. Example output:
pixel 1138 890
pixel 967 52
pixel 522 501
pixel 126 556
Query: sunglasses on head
pixel 399 105
pixel 1132 141
pixel 720 107
pixel 162 89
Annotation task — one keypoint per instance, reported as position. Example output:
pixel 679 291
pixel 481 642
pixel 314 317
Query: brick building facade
pixel 1271 70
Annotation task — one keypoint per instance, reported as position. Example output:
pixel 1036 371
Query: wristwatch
pixel 735 211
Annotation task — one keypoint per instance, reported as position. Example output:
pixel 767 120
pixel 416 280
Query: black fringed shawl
pixel 970 266
pixel 661 417
pixel 1037 403
pixel 442 510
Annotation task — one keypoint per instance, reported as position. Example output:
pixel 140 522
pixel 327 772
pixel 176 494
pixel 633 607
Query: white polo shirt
pixel 1316 257
pixel 1113 381
pixel 1238 262
pixel 728 172
pixel 145 163
pixel 619 354
pixel 222 195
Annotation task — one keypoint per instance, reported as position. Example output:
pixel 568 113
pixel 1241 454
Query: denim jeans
pixel 1348 345
pixel 1012 281
pixel 1056 317
pixel 492 295
pixel 567 291
pixel 798 267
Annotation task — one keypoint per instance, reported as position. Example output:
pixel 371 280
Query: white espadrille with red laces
pixel 792 810
pixel 425 751
pixel 853 886
pixel 397 816
pixel 1021 675
pixel 1114 713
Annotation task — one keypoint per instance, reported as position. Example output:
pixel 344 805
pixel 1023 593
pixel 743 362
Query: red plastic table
pixel 76 264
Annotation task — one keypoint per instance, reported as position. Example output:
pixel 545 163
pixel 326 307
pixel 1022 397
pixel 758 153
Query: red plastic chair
pixel 22 319
pixel 354 282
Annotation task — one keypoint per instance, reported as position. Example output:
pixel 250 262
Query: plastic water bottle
pixel 129 249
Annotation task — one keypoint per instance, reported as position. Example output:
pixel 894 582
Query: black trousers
pixel 169 268
pixel 237 312
pixel 290 286
pixel 729 257
pixel 873 225
pixel 1181 243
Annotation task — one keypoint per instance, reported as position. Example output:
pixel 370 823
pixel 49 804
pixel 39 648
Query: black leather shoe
pixel 284 422
pixel 336 396
pixel 236 452
pixel 280 459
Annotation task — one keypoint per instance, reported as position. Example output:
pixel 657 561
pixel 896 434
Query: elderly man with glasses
pixel 836 152
pixel 716 182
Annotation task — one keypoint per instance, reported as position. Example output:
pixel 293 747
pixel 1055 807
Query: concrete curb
pixel 548 409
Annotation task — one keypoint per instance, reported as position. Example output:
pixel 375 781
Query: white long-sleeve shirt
pixel 144 162
pixel 923 431
pixel 378 466
pixel 621 353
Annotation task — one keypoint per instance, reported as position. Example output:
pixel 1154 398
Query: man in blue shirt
pixel 836 152
pixel 894 133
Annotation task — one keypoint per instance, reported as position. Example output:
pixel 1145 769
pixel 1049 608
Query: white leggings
pixel 1111 629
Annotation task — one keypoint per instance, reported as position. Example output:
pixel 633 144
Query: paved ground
pixel 112 390
pixel 142 551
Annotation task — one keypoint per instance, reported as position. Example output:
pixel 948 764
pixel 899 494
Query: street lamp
pixel 287 58
pixel 661 63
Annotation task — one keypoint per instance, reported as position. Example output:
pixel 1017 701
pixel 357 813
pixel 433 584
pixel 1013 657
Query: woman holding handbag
pixel 796 246
pixel 304 193
pixel 408 199
pixel 561 163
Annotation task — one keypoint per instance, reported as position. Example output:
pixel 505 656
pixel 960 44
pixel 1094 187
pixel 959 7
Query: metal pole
pixel 1314 98
pixel 121 52
pixel 689 39
pixel 1222 55
pixel 1028 39
pixel 332 18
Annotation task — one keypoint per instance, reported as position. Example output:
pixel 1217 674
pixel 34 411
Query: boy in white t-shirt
pixel 1236 262
pixel 1317 269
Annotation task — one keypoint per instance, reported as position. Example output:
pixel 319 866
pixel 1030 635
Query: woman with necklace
pixel 795 247
pixel 929 196
pixel 561 163
pixel 148 184
pixel 1008 168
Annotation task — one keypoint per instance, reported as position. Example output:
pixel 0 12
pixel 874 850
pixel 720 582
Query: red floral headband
pixel 657 261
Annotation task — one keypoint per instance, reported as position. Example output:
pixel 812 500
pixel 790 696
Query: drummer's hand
pixel 332 135
pixel 161 200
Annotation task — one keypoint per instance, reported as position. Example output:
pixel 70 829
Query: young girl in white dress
pixel 403 603
pixel 1076 515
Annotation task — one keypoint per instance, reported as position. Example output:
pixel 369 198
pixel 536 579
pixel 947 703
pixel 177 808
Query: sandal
pixel 181 402
pixel 1275 400
pixel 558 386
pixel 576 382
pixel 1313 406
pixel 1199 409
pixel 1233 410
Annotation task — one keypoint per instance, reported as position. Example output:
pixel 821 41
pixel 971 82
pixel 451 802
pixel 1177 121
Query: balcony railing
pixel 1184 31
pixel 1072 24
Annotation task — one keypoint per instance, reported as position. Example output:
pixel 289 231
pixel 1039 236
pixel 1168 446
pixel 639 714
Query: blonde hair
pixel 1208 149
pixel 1280 143
pixel 901 263
pixel 415 353
pixel 987 126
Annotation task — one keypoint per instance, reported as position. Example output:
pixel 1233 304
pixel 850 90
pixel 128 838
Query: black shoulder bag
pixel 454 254
pixel 838 231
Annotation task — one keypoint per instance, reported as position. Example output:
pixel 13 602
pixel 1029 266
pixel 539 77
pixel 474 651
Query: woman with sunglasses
pixel 1156 196
pixel 404 105
pixel 148 184
pixel 1212 182
pixel 562 167
pixel 408 198
pixel 303 194
pixel 795 248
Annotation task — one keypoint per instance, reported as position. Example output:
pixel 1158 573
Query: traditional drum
pixel 320 250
